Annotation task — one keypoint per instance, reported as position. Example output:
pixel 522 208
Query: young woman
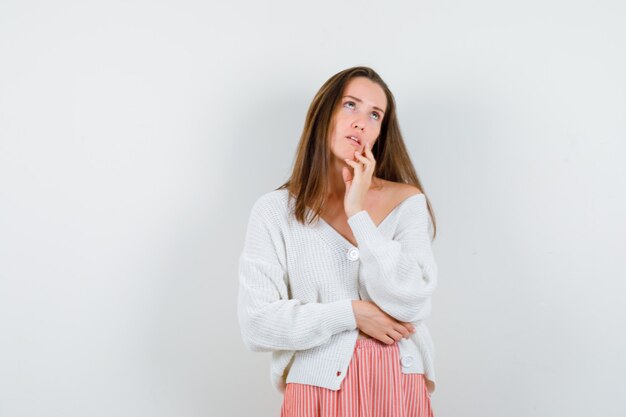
pixel 337 270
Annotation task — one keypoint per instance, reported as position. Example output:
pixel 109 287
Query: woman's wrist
pixel 355 308
pixel 353 210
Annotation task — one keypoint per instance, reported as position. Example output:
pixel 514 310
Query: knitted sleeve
pixel 400 274
pixel 269 320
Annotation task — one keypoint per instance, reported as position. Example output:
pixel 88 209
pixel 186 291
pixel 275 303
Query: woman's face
pixel 359 116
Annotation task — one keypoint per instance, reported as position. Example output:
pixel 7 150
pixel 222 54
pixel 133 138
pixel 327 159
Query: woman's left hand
pixel 358 182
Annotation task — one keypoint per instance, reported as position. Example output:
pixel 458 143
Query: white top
pixel 297 283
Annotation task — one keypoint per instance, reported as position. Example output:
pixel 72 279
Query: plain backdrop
pixel 136 135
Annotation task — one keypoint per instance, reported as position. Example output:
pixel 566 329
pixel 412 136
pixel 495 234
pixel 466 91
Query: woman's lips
pixel 354 142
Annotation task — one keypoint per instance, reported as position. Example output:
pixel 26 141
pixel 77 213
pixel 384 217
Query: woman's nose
pixel 358 124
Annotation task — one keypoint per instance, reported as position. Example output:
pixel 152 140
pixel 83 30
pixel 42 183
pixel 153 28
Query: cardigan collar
pixel 337 241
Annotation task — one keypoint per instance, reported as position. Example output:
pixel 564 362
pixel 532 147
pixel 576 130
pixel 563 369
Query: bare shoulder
pixel 394 193
pixel 398 192
pixel 408 190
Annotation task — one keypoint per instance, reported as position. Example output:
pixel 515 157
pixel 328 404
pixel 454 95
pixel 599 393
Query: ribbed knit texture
pixel 297 283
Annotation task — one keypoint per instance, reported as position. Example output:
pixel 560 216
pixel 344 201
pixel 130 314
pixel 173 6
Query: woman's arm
pixel 268 319
pixel 400 274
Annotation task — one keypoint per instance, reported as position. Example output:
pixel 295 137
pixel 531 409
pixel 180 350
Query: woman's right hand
pixel 374 322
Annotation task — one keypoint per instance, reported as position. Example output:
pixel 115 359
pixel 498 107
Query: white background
pixel 135 136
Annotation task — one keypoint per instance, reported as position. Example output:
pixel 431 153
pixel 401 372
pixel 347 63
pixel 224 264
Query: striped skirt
pixel 374 386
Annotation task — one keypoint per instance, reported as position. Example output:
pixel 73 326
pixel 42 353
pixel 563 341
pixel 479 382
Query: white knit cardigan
pixel 297 283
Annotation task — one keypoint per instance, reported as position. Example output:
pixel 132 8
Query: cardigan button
pixel 353 254
pixel 406 361
pixel 338 373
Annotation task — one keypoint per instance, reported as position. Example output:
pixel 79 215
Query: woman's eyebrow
pixel 361 101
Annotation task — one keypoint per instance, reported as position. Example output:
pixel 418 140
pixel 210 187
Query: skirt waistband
pixel 373 344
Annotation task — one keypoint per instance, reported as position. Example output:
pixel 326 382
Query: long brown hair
pixel 308 183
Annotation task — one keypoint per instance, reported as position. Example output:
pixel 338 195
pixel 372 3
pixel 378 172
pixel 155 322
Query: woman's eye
pixel 351 105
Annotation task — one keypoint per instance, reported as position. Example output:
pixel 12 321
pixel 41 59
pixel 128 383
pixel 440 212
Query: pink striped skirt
pixel 374 386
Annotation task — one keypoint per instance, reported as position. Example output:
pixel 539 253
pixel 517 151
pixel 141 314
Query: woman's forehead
pixel 367 91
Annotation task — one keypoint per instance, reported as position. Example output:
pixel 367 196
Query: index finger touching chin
pixel 368 150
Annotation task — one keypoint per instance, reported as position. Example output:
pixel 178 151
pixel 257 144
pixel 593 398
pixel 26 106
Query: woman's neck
pixel 336 185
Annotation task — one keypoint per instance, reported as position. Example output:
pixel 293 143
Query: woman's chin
pixel 342 156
